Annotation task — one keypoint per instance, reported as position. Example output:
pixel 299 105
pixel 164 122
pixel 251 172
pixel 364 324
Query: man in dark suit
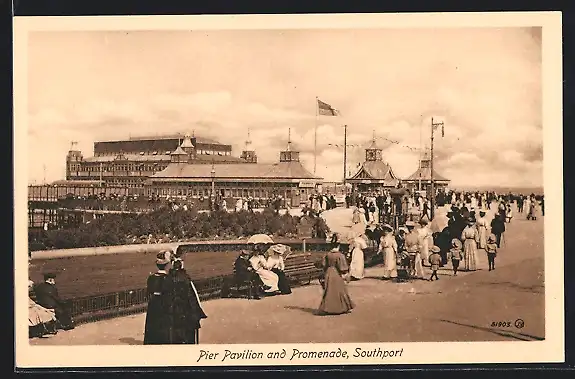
pixel 47 296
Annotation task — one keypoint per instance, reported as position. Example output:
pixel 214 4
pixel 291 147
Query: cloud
pixel 485 85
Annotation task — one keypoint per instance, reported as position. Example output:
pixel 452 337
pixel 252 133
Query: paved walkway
pixel 458 308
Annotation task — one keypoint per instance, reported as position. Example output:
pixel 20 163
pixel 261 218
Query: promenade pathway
pixel 458 308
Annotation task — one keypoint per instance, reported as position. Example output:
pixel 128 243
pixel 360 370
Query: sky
pixel 483 83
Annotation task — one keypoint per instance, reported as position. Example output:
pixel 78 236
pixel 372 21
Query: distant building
pixel 131 162
pixel 421 179
pixel 287 178
pixel 374 174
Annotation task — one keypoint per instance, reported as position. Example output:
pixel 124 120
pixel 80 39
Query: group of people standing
pixel 174 309
pixel 322 202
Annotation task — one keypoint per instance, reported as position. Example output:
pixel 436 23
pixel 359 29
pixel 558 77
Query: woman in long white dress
pixel 275 263
pixel 362 218
pixel 425 235
pixel 470 236
pixel 357 265
pixel 482 229
pixel 388 247
pixel 259 264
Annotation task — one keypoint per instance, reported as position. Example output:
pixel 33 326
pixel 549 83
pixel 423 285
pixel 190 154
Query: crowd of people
pixel 174 309
pixel 467 232
pixel 405 253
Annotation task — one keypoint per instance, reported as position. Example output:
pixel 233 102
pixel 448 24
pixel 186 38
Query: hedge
pixel 166 225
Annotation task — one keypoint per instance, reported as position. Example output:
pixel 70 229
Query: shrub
pixel 168 225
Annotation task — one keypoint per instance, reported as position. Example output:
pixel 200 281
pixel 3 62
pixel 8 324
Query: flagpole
pixel 344 152
pixel 315 136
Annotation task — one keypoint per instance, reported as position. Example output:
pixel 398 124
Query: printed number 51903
pixel 501 324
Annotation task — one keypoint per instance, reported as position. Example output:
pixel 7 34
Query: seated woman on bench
pixel 276 264
pixel 244 273
pixel 259 265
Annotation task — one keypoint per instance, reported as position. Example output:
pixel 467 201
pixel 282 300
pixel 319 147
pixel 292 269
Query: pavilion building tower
pixel 374 174
pixel 248 154
pixel 188 146
pixel 74 160
pixel 420 180
pixel 289 155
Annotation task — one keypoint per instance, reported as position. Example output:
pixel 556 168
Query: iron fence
pixel 98 307
pixel 122 303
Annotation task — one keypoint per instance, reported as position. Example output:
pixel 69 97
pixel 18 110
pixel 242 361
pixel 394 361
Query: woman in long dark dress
pixel 184 310
pixel 157 329
pixel 335 299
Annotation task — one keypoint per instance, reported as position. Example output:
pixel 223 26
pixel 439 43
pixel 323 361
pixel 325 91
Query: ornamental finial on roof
pixel 187 142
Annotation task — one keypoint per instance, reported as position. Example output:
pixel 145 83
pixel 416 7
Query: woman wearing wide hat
pixel 335 298
pixel 276 264
pixel 185 309
pixel 469 237
pixel 481 225
pixel 388 247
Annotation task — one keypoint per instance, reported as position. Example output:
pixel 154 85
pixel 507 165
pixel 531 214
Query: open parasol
pixel 260 238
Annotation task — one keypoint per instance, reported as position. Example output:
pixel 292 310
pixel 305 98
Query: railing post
pixel 303 245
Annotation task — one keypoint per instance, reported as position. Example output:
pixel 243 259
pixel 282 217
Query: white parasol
pixel 260 238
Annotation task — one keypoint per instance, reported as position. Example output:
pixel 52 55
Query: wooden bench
pixel 301 268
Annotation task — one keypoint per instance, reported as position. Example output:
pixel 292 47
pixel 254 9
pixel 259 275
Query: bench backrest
pixel 296 262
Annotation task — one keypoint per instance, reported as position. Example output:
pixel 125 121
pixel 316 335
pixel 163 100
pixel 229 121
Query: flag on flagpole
pixel 324 109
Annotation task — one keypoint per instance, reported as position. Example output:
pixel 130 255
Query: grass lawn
pixel 100 274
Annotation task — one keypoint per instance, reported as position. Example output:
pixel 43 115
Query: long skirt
pixel 335 298
pixel 418 266
pixel 470 255
pixel 269 278
pixel 283 282
pixel 424 252
pixel 389 263
pixel 357 265
pixel 482 236
pixel 157 327
pixel 41 321
pixel 37 314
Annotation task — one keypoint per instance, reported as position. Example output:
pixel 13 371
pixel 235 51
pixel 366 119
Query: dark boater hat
pixel 163 258
pixel 49 275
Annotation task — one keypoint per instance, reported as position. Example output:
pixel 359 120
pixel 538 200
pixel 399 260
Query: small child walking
pixel 434 261
pixel 455 252
pixel 491 249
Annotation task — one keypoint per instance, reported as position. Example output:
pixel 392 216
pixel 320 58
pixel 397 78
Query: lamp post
pixel 212 193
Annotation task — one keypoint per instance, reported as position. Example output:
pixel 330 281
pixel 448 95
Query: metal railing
pixel 99 307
